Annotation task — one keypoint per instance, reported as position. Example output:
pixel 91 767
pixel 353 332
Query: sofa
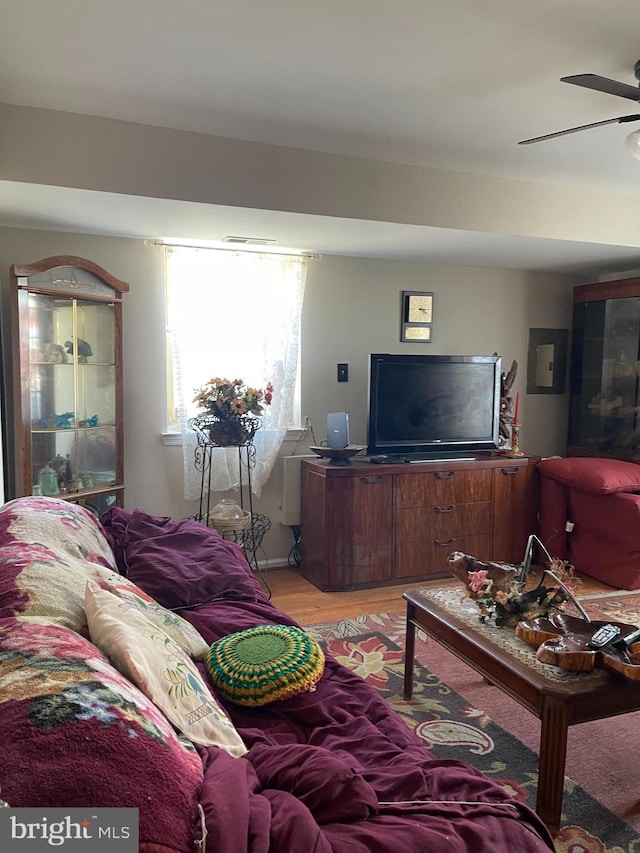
pixel 589 514
pixel 329 768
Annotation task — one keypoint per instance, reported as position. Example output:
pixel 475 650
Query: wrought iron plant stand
pixel 211 433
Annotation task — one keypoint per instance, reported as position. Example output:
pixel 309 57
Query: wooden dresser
pixel 367 525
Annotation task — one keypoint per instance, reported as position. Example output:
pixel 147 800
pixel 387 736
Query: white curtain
pixel 234 315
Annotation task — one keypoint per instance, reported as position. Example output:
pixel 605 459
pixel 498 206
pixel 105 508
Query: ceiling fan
pixel 599 84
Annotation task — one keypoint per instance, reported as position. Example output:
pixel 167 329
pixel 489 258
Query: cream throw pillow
pixel 148 657
pixel 183 632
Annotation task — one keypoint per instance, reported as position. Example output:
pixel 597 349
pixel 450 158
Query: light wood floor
pixel 308 605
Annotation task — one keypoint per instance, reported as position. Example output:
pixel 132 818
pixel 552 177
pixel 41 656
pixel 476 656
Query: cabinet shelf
pixel 67 430
pixel 70 364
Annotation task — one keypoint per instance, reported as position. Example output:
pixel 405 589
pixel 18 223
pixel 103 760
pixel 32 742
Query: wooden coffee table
pixel 559 699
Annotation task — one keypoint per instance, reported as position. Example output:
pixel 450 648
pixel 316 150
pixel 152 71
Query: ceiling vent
pixel 248 241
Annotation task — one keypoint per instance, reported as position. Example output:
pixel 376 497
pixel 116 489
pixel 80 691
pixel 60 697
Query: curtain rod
pixel 302 255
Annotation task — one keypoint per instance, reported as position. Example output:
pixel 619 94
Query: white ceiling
pixel 449 85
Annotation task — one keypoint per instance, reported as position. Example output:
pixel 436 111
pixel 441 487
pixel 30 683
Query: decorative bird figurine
pixel 84 350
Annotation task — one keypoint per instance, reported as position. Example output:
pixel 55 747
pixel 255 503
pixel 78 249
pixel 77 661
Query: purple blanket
pixel 333 771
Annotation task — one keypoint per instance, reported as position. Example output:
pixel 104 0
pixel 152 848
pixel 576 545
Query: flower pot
pixel 235 431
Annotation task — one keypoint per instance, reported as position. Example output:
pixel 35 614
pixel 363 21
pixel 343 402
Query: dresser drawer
pixel 429 557
pixel 443 520
pixel 446 486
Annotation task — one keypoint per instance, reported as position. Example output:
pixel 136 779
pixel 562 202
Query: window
pixel 234 315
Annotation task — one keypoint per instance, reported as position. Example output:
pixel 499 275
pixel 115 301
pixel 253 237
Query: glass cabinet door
pixel 605 378
pixel 71 408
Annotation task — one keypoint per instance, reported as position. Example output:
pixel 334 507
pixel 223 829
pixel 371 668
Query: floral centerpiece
pixel 231 410
pixel 500 591
pixel 228 398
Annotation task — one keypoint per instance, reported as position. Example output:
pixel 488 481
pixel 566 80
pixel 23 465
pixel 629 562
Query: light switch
pixel 343 373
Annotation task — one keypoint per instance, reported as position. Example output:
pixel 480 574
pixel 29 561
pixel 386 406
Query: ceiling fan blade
pixel 619 120
pixel 604 84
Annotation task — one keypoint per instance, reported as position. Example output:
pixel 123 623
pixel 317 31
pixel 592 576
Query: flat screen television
pixel 433 406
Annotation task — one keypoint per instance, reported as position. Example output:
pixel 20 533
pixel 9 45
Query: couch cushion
pixel 75 733
pixel 264 664
pixel 181 563
pixel 49 547
pixel 146 655
pixel 604 542
pixel 599 476
pixel 552 516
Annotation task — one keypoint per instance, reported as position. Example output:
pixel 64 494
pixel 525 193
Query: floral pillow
pixel 147 655
pixel 75 733
pixel 181 631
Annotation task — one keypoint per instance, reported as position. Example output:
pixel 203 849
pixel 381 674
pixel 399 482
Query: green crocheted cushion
pixel 264 664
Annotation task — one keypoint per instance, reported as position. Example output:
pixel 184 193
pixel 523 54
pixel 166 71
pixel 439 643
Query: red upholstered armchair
pixel 589 514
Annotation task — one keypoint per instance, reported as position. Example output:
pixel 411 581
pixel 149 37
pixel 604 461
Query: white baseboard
pixel 275 563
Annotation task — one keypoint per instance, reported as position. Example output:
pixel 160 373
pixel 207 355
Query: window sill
pixel 171 438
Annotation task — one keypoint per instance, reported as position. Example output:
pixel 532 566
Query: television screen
pixel 433 404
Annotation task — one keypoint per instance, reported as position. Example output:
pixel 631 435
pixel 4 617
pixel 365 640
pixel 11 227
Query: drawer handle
pixel 443 543
pixel 445 475
pixel 369 481
pixel 445 508
pixel 510 470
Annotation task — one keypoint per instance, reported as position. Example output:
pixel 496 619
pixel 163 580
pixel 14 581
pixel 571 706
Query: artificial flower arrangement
pixel 500 591
pixel 232 398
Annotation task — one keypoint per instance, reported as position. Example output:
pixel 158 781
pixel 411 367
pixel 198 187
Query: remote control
pixel 603 636
pixel 629 640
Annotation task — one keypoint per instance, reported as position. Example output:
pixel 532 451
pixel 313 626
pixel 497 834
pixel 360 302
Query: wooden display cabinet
pixel 605 370
pixel 67 381
pixel 366 525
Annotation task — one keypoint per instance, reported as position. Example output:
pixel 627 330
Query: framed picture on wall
pixel 416 315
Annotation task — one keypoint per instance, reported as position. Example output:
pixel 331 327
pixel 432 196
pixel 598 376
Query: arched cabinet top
pixel 71 261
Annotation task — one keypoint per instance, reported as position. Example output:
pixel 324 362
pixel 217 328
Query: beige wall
pixel 351 308
pixel 86 152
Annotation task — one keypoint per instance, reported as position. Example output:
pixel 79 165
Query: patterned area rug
pixel 617 606
pixel 458 715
